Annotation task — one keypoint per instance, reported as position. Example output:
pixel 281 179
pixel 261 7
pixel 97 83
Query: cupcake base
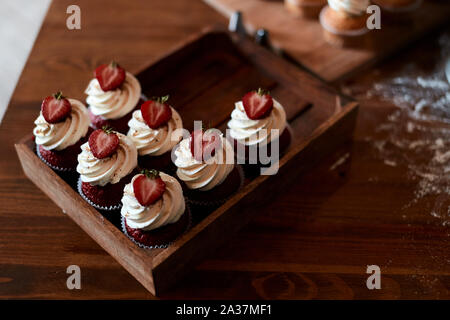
pixel 344 32
pixel 220 193
pixel 305 9
pixel 63 160
pixel 254 170
pixel 106 198
pixel 161 237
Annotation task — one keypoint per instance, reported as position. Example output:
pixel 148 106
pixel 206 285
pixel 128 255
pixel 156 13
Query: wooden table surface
pixel 314 241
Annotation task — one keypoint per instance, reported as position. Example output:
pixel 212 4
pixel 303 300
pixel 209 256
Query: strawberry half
pixel 257 104
pixel 204 144
pixel 110 76
pixel 55 108
pixel 156 112
pixel 148 187
pixel 103 142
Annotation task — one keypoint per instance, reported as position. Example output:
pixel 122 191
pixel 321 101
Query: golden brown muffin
pixel 341 21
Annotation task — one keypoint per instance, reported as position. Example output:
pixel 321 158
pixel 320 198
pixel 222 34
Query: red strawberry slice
pixel 204 144
pixel 103 142
pixel 148 187
pixel 156 112
pixel 257 104
pixel 110 76
pixel 55 108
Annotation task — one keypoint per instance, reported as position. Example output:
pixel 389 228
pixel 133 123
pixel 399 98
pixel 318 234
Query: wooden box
pixel 204 77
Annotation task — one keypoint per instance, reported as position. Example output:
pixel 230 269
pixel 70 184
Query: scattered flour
pixel 417 133
pixel 340 161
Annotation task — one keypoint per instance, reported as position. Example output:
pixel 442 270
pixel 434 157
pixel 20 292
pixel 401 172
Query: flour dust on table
pixel 417 133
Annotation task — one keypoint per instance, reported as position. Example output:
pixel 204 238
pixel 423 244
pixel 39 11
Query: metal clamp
pixel 261 37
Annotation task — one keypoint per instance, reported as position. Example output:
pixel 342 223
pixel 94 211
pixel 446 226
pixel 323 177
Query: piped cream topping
pixel 116 103
pixel 110 169
pixel 58 136
pixel 203 175
pixel 154 142
pixel 166 210
pixel 252 132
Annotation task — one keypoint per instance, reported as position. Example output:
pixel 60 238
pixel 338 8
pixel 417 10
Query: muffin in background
pixel 344 22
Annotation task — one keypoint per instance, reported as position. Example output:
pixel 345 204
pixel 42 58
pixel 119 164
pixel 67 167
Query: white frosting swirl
pixel 166 210
pixel 116 103
pixel 251 132
pixel 154 142
pixel 110 169
pixel 204 175
pixel 355 7
pixel 58 136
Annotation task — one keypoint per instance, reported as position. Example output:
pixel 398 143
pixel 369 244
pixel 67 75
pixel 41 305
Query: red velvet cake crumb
pixel 160 236
pixel 64 159
pixel 108 195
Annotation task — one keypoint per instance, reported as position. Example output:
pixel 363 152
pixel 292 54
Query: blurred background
pixel 20 21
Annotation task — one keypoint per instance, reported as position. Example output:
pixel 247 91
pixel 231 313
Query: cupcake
pixel 305 8
pixel 398 11
pixel 344 22
pixel 206 167
pixel 155 129
pixel 256 122
pixel 154 212
pixel 61 128
pixel 112 96
pixel 105 165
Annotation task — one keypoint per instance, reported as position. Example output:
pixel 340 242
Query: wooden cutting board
pixel 302 40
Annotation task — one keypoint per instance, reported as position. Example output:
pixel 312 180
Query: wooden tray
pixel 204 77
pixel 302 40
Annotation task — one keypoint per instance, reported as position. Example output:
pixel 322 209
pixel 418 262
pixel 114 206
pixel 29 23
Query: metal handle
pixel 236 24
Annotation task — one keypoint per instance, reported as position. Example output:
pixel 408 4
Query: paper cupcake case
pixel 52 166
pixel 222 201
pixel 96 206
pixel 249 171
pixel 161 246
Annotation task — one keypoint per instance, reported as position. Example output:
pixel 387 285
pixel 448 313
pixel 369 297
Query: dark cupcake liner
pixel 50 165
pixel 161 246
pixel 252 171
pixel 223 200
pixel 96 206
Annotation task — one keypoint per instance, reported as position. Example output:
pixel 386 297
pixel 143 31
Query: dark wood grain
pixel 313 241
